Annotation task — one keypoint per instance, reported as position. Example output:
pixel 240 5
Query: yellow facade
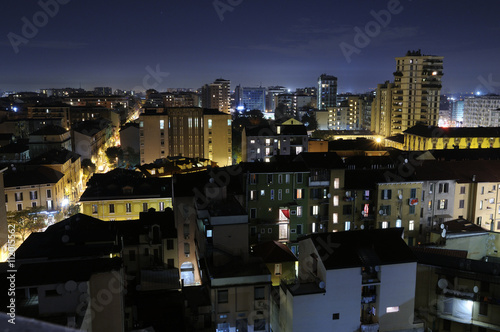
pixel 419 143
pixel 116 209
pixel 398 205
pixel 50 195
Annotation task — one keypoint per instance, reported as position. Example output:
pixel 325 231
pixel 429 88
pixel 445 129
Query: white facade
pixel 482 112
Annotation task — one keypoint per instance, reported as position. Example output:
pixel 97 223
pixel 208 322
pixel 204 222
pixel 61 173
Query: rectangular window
pixel 299 178
pixel 269 178
pixel 161 206
pixel 385 224
pixel 336 183
pixel 299 211
pixel 411 225
pixel 272 194
pixel 443 204
pixel 280 194
pixel 19 207
pixel 280 178
pixel 277 269
pixel 144 207
pixel 314 210
pixel 299 193
pixel 347 226
pixel 170 244
pixel 299 229
pixel 482 190
pixel 366 195
pixel 19 197
pixel 49 193
pixel 253 195
pixel 386 194
pixel 480 205
pixel 462 190
pixel 222 296
pixel 49 205
pixel 209 123
pixel 6 198
pixel 440 186
pixel 111 208
pixel 94 208
pixel 391 309
pixel 461 204
pixel 262 192
pixel 253 213
pixel 33 204
pixel 259 293
pixel 412 209
pixel 287 178
pixel 386 210
pixel 336 200
pixel 253 178
pixel 128 207
pixel 413 193
pixel 33 195
pixel 335 218
pixel 162 124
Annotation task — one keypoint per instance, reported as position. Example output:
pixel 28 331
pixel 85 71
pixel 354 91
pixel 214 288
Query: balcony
pixel 318 182
pixel 369 327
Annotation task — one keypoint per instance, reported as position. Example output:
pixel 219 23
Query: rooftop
pixel 362 248
pixel 432 131
pixel 49 130
pixel 21 177
pixel 122 184
pixel 273 252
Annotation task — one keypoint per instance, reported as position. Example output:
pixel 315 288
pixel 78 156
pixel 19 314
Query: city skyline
pixel 131 45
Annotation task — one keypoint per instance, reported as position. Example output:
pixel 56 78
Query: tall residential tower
pixel 413 97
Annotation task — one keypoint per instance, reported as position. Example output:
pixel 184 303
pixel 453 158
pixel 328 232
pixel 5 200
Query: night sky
pixel 273 42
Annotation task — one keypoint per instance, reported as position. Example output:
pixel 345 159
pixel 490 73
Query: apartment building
pixel 351 281
pixel 123 194
pixel 413 98
pixel 186 131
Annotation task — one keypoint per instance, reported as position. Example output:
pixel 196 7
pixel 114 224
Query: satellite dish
pixel 442 226
pixel 211 180
pixel 329 195
pixel 443 233
pixel 362 226
pixel 377 268
pixel 322 285
pixel 400 196
pixel 442 283
pixel 476 289
pixel 381 212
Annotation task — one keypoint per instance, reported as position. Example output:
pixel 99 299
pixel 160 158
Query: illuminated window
pixel 411 225
pixel 385 224
pixel 391 309
pixel 162 124
pixel 299 211
pixel 347 226
pixel 209 123
pixel 336 183
pixel 315 210
pixel 336 200
pixel 335 218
